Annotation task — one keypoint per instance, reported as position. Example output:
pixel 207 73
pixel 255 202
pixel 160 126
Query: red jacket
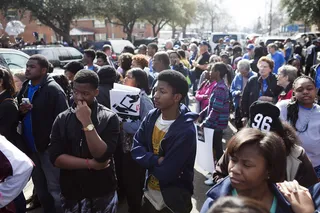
pixel 285 95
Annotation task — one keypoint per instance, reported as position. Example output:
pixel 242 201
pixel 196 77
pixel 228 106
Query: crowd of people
pixel 83 158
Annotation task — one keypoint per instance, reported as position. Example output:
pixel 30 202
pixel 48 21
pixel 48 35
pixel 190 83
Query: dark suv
pixel 58 56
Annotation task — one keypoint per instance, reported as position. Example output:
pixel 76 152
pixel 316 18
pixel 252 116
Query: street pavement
pixel 200 188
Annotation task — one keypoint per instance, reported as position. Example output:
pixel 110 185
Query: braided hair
pixel 293 106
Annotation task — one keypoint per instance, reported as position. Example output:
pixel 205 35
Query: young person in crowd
pixel 237 87
pixel 152 50
pixel 142 49
pixel 71 69
pixel 175 62
pixel 276 56
pixel 296 62
pixel 125 61
pixel 165 145
pixel 257 163
pixel 128 49
pixel 9 113
pixel 141 61
pixel 299 166
pixel 107 76
pixel 102 59
pixel 263 87
pixel 200 64
pixel 258 53
pixel 107 49
pixel 184 59
pixel 160 62
pixel 250 54
pixel 133 175
pixel 40 100
pixel 303 114
pixel 205 90
pixel 217 112
pixel 213 59
pixel 83 140
pixel 18 78
pixel 15 173
pixel 88 58
pixel 286 76
pixel 63 82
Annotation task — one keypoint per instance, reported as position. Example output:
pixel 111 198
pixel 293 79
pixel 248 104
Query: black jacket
pixel 9 117
pixel 252 90
pixel 67 137
pixel 48 101
pixel 104 94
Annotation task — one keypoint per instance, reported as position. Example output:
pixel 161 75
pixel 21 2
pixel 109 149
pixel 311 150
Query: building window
pixel 100 36
pixel 99 24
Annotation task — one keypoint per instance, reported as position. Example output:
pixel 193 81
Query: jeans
pixel 45 178
pixel 106 204
pixel 217 144
pixel 133 176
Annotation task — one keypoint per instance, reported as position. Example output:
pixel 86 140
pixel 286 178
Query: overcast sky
pixel 246 12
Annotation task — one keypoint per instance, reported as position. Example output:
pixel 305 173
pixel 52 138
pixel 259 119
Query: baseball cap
pixel 227 40
pixel 265 116
pixel 250 47
pixel 73 66
pixel 204 43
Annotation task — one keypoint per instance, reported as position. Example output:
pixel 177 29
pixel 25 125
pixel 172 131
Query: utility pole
pixel 270 18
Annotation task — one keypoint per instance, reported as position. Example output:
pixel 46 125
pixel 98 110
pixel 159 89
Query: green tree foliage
pixel 56 14
pixel 122 12
pixel 159 13
pixel 303 10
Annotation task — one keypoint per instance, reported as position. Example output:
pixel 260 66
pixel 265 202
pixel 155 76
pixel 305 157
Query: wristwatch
pixel 89 128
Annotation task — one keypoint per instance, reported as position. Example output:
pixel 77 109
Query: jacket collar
pixel 224 188
pixel 45 80
pixel 185 115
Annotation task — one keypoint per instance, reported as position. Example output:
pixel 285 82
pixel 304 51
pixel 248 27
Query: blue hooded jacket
pixel 237 84
pixel 178 148
pixel 224 188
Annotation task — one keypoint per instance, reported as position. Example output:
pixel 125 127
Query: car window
pixel 118 45
pixel 47 53
pixel 15 61
pixel 30 51
pixel 63 54
pixel 75 54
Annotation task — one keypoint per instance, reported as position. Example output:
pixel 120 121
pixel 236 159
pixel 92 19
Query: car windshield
pixel 118 45
pixel 215 38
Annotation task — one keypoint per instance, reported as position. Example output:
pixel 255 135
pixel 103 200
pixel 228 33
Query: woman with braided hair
pixel 303 114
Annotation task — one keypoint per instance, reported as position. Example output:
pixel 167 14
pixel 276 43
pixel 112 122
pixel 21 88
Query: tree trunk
pixel 212 24
pixel 184 31
pixel 174 29
pixel 155 31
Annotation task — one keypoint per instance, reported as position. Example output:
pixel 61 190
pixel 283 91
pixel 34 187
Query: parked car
pixel 13 59
pixel 272 39
pixel 240 37
pixel 146 41
pixel 58 56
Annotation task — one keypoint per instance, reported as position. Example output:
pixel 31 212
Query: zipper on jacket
pixel 35 146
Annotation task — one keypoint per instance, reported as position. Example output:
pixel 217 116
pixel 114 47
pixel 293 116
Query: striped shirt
pixel 218 109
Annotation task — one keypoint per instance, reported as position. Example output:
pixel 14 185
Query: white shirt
pixel 310 139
